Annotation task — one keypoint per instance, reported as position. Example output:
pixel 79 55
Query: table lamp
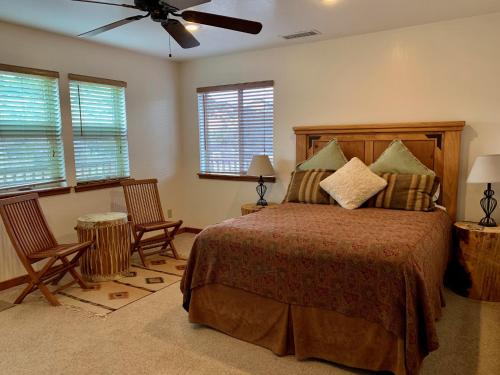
pixel 261 166
pixel 486 170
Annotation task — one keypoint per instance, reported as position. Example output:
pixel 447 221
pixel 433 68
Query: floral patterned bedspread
pixel 385 266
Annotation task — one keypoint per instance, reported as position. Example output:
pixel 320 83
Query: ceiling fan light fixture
pixel 192 27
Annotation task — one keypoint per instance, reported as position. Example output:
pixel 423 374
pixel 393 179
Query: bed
pixel 362 288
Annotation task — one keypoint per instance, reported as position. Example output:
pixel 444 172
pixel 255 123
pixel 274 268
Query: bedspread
pixel 385 266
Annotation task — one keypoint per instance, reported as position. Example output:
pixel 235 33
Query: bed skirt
pixel 306 332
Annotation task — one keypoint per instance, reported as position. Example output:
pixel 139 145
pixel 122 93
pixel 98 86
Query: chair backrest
pixel 26 225
pixel 143 201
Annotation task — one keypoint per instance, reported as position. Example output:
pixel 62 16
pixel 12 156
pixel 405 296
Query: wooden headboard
pixel 435 144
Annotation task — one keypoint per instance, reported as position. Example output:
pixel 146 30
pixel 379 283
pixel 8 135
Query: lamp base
pixel 487 222
pixel 261 190
pixel 488 204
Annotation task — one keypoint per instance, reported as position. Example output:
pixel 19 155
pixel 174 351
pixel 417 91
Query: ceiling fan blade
pixel 104 3
pixel 184 4
pixel 180 34
pixel 112 25
pixel 216 20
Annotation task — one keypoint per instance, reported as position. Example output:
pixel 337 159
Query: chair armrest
pixel 149 227
pixel 61 250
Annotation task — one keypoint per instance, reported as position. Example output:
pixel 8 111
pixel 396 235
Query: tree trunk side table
pixel 109 257
pixel 477 252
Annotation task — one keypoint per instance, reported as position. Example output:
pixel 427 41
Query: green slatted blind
pixel 31 150
pixel 236 122
pixel 99 131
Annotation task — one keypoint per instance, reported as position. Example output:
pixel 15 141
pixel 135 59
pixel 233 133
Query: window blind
pixel 236 122
pixel 31 150
pixel 99 131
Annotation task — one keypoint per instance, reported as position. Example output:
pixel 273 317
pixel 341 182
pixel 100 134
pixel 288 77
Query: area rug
pixel 105 297
pixel 5 305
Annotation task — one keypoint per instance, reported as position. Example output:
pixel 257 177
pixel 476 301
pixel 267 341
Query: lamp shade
pixel 486 169
pixel 260 166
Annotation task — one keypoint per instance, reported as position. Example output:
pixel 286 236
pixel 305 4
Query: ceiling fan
pixel 162 11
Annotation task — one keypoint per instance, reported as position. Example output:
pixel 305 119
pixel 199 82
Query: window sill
pixel 97 185
pixel 41 192
pixel 232 177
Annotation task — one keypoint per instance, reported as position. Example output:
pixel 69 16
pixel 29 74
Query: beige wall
pixel 441 71
pixel 152 121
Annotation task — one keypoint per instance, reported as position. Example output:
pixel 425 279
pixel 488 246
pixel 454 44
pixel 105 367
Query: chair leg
pixel 76 276
pixel 174 250
pixel 31 286
pixel 142 256
pixel 50 297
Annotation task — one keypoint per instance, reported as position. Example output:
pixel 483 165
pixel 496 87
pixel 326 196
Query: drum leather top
pixel 102 220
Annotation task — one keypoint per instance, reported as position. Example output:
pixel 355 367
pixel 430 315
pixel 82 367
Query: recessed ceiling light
pixel 192 27
pixel 330 2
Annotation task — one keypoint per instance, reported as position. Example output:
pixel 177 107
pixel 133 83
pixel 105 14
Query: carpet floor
pixel 153 336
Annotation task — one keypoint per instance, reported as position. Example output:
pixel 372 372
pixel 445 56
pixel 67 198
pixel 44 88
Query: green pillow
pixel 398 159
pixel 329 157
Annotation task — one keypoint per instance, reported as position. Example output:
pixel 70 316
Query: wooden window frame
pixel 104 183
pixel 42 192
pixel 227 176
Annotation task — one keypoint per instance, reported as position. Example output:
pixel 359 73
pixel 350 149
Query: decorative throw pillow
pixel 304 187
pixel 398 159
pixel 329 157
pixel 407 192
pixel 353 184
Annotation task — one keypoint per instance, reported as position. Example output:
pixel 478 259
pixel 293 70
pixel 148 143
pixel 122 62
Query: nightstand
pixel 476 255
pixel 249 208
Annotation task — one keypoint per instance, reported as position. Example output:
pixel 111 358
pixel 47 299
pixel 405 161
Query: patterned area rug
pixel 160 272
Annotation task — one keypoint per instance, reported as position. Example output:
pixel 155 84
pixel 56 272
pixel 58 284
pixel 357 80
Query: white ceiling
pixel 333 18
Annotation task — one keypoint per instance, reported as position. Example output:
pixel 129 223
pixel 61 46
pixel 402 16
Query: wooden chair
pixel 145 213
pixel 34 242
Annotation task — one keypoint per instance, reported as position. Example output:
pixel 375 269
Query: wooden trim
pixel 409 127
pixel 96 185
pixel 189 230
pixel 446 155
pixel 41 192
pixel 16 281
pixel 236 86
pixel 25 70
pixel 232 177
pixel 103 81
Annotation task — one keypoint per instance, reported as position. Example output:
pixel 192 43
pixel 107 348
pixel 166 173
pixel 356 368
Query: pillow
pixel 329 157
pixel 409 192
pixel 304 187
pixel 353 184
pixel 398 159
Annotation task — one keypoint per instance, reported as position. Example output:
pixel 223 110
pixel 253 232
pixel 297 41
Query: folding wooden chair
pixel 145 213
pixel 34 242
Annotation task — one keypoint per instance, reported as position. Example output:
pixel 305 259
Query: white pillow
pixel 353 184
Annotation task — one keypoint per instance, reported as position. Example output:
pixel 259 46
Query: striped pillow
pixel 411 192
pixel 304 187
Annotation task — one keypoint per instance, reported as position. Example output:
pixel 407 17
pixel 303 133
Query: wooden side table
pixel 109 257
pixel 249 208
pixel 477 252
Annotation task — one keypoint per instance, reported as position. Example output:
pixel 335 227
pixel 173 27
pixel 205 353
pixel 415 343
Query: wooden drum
pixel 109 258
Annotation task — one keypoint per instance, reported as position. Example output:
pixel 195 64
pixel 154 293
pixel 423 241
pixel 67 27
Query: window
pixel 99 129
pixel 236 122
pixel 31 150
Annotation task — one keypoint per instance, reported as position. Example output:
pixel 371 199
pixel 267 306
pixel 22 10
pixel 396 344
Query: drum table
pixel 109 257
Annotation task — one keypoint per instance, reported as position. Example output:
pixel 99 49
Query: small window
pixel 236 122
pixel 99 129
pixel 31 150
